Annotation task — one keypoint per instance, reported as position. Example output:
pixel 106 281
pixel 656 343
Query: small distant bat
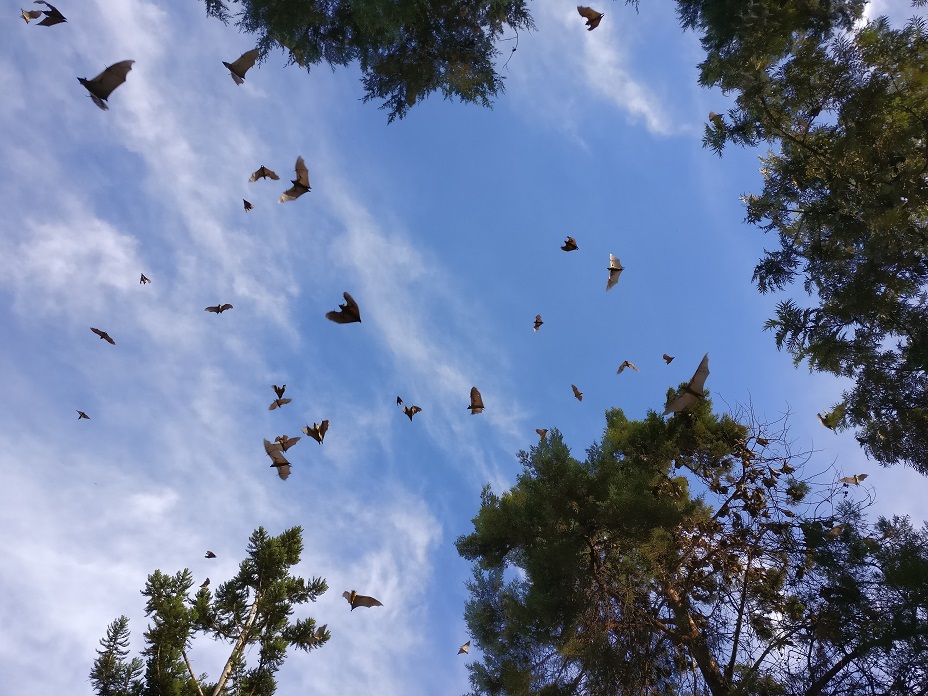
pixel 320 633
pixel 52 15
pixel 31 14
pixel 300 184
pixel 218 309
pixel 359 600
pixel 538 322
pixel 103 336
pixel 103 84
pixel 264 173
pixel 692 392
pixel 577 392
pixel 278 460
pixel 836 530
pixel 831 420
pixel 286 442
pixel 717 120
pixel 627 364
pixel 615 270
pixel 347 313
pixel 476 402
pixel 570 244
pixel 856 479
pixel 277 403
pixel 593 18
pixel 464 648
pixel 249 206
pixel 408 410
pixel 762 441
pixel 279 390
pixel 786 468
pixel 205 584
pixel 244 63
pixel 210 554
pixel 542 433
pixel 668 358
pixel 143 280
pixel 317 432
pixel 81 414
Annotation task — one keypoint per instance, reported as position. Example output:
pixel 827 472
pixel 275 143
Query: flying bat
pixel 542 433
pixel 831 420
pixel 317 432
pixel 538 322
pixel 242 65
pixel 264 173
pixel 279 390
pixel 408 410
pixel 277 403
pixel 31 14
pixel 249 206
pixel 856 479
pixel 577 392
pixel 103 84
pixel 218 309
pixel 693 392
pixel 52 15
pixel 668 358
pixel 286 442
pixel 464 648
pixel 300 184
pixel 210 554
pixel 615 270
pixel 205 584
pixel 103 336
pixel 81 414
pixel 278 460
pixel 476 402
pixel 570 244
pixel 593 18
pixel 360 600
pixel 627 364
pixel 347 313
pixel 143 280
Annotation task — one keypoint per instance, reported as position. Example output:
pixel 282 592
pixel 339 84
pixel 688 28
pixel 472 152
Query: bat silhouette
pixel 762 441
pixel 542 433
pixel 31 14
pixel 218 309
pixel 627 364
pixel 103 336
pixel 615 270
pixel 143 280
pixel 831 420
pixel 205 584
pixel 264 173
pixel 279 390
pixel 278 460
pixel 81 414
pixel 300 184
pixel 360 600
pixel 242 65
pixel 408 410
pixel 538 323
pixel 856 479
pixel 476 402
pixel 593 18
pixel 103 84
pixel 577 392
pixel 570 244
pixel 52 15
pixel 317 432
pixel 277 403
pixel 210 554
pixel 668 358
pixel 286 442
pixel 693 391
pixel 464 648
pixel 347 313
pixel 249 206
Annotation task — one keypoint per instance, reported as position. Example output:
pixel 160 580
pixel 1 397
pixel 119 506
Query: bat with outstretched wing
pixel 143 280
pixel 278 460
pixel 52 15
pixel 408 410
pixel 277 403
pixel 625 364
pixel 570 244
pixel 81 414
pixel 248 205
pixel 464 648
pixel 856 479
pixel 103 84
pixel 476 402
pixel 577 392
pixel 210 554
pixel 542 433
pixel 300 184
pixel 593 18
pixel 279 390
pixel 615 270
pixel 538 323
pixel 205 584
pixel 103 336
pixel 317 432
pixel 831 420
pixel 218 309
pixel 286 442
pixel 360 600
pixel 242 65
pixel 347 313
pixel 667 358
pixel 264 173
pixel 693 391
pixel 29 15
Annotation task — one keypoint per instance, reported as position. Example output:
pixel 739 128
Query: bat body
pixel 205 584
pixel 577 392
pixel 464 648
pixel 615 270
pixel 627 364
pixel 278 460
pixel 264 173
pixel 300 184
pixel 279 390
pixel 103 84
pixel 31 14
pixel 286 442
pixel 856 479
pixel 358 600
pixel 476 402
pixel 667 358
pixel 347 313
pixel 143 280
pixel 277 403
pixel 408 410
pixel 317 432
pixel 694 390
pixel 81 414
pixel 242 65
pixel 831 420
pixel 538 323
pixel 542 433
pixel 593 18
pixel 249 206
pixel 570 244
pixel 103 336
pixel 717 120
pixel 210 554
pixel 52 15
pixel 218 309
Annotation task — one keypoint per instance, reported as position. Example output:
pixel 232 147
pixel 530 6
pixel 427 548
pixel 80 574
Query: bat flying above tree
pixel 570 244
pixel 317 432
pixel 242 65
pixel 103 84
pixel 360 600
pixel 476 402
pixel 856 479
pixel 52 15
pixel 347 313
pixel 542 433
pixel 615 270
pixel 300 184
pixel 593 18
pixel 831 420
pixel 464 648
pixel 81 414
pixel 627 364
pixel 408 410
pixel 218 309
pixel 692 392
pixel 264 173
pixel 103 336
pixel 538 323
pixel 278 460
pixel 143 280
pixel 205 584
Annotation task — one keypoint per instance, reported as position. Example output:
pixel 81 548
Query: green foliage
pixel 251 609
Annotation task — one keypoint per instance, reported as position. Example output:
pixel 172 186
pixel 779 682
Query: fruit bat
pixel 242 65
pixel 279 390
pixel 668 358
pixel 593 18
pixel 347 313
pixel 143 280
pixel 81 414
pixel 320 633
pixel 856 479
pixel 249 206
pixel 31 14
pixel 317 432
pixel 300 184
pixel 570 244
pixel 836 530
pixel 286 442
pixel 278 460
pixel 762 441
pixel 476 402
pixel 542 433
pixel 615 270
pixel 693 391
pixel 264 173
pixel 103 336
pixel 464 648
pixel 717 120
pixel 210 554
pixel 52 15
pixel 205 584
pixel 277 403
pixel 831 420
pixel 103 84
pixel 577 392
pixel 408 410
pixel 627 364
pixel 218 309
pixel 538 322
pixel 360 600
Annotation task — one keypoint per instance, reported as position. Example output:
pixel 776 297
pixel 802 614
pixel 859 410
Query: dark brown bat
pixel 218 309
pixel 210 554
pixel 279 390
pixel 278 460
pixel 31 14
pixel 286 442
pixel 103 84
pixel 538 323
pixel 408 410
pixel 476 402
pixel 264 173
pixel 205 584
pixel 244 63
pixel 668 358
pixel 693 392
pixel 577 392
pixel 625 364
pixel 277 403
pixel 144 280
pixel 593 18
pixel 249 206
pixel 81 414
pixel 615 270
pixel 542 433
pixel 347 313
pixel 52 15
pixel 464 648
pixel 317 432
pixel 103 336
pixel 570 244
pixel 300 184
pixel 360 600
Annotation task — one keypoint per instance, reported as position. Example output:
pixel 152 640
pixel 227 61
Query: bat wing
pixel 277 403
pixel 570 244
pixel 347 313
pixel 264 172
pixel 244 63
pixel 289 442
pixel 399 401
pixel 214 308
pixel 365 601
pixel 31 14
pixel 577 392
pixel 103 84
pixel 249 206
pixel 587 12
pixel 476 401
pixel 302 173
pixel 615 270
pixel 668 358
pixel 283 470
pixel 291 194
pixel 224 307
pixel 697 384
pixel 323 429
pixel 542 433
pixel 681 403
pixel 210 554
pixel 464 648
pixel 411 411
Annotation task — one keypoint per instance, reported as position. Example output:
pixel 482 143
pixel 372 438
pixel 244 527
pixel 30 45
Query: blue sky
pixel 445 228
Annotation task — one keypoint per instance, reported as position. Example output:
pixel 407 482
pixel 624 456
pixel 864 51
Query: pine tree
pixel 112 675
